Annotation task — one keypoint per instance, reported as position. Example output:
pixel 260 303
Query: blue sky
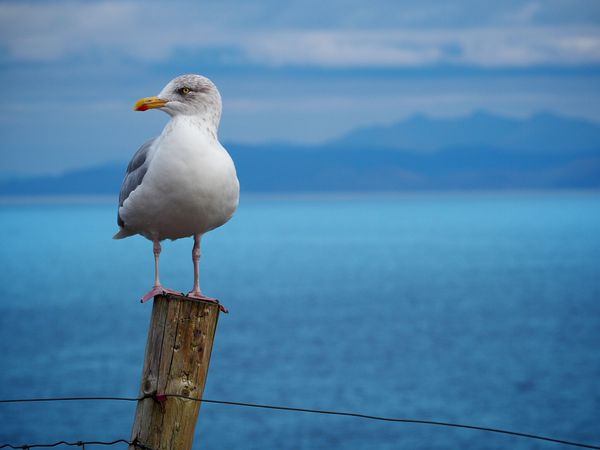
pixel 299 71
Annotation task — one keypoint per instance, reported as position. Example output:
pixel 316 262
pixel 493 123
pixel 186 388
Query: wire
pixel 391 419
pixel 135 443
pixel 69 399
pixel 306 410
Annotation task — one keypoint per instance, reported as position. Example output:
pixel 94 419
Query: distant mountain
pixel 543 132
pixel 339 169
pixel 481 151
pixel 104 179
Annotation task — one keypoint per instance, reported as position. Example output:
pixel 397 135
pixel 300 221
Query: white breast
pixel 191 185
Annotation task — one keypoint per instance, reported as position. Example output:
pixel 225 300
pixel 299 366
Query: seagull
pixel 182 183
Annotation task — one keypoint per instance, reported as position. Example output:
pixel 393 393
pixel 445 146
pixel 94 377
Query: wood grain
pixel 178 350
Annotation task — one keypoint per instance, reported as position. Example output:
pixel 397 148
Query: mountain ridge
pixel 543 131
pixel 415 154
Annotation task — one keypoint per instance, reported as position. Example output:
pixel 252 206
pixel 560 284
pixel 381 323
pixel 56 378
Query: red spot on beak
pixel 144 104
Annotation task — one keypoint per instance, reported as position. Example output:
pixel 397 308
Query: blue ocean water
pixel 481 309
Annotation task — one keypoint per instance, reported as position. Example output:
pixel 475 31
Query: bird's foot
pixel 200 296
pixel 158 290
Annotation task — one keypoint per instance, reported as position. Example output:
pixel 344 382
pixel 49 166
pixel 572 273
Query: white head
pixel 189 95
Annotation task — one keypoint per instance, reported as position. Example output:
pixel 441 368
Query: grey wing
pixel 136 169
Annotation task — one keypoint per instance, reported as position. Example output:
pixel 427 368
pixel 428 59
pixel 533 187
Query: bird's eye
pixel 185 90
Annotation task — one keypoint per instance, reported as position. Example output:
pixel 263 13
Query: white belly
pixel 191 187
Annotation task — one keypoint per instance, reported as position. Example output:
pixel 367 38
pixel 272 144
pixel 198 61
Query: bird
pixel 182 183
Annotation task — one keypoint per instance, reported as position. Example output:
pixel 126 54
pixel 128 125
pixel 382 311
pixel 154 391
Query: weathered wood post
pixel 178 349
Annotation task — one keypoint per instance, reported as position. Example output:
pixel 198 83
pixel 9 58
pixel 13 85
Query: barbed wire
pixel 163 397
pixel 82 444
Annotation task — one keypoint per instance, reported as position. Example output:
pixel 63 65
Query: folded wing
pixel 136 170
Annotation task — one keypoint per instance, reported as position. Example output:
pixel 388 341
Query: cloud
pixel 56 31
pixel 486 47
pixel 156 32
pixel 524 14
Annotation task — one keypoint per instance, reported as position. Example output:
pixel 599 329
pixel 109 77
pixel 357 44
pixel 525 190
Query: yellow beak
pixel 144 104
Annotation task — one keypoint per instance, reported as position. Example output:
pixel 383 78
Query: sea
pixel 479 309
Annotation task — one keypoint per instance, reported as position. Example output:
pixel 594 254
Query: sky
pixel 296 71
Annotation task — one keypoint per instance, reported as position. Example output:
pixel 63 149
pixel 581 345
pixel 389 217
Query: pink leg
pixel 157 289
pixel 196 292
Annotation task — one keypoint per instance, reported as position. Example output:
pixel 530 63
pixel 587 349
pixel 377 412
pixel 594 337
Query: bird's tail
pixel 122 233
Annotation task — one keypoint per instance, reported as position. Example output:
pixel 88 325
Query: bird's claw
pixel 158 290
pixel 200 296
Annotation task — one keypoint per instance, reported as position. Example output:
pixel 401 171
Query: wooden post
pixel 178 349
